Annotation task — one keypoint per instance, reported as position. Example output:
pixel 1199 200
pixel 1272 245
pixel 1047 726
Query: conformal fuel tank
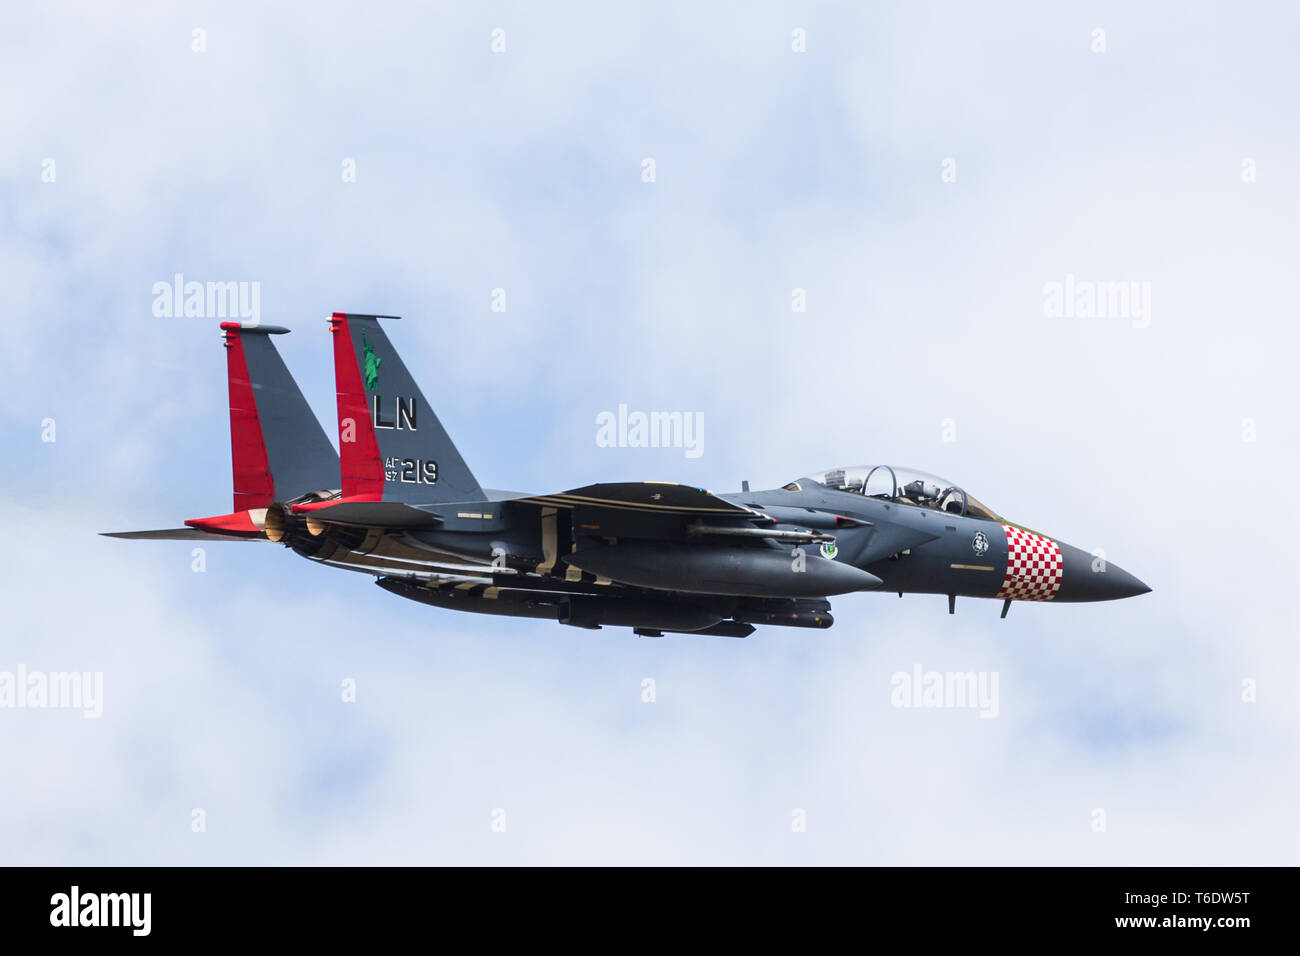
pixel 713 569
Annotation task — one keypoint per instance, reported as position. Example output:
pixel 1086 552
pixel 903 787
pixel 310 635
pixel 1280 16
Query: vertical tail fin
pixel 392 446
pixel 278 449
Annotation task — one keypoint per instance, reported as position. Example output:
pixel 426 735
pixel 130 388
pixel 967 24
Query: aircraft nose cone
pixel 1086 577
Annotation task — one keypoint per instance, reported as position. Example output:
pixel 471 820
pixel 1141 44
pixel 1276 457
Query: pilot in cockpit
pixel 920 492
pixel 929 495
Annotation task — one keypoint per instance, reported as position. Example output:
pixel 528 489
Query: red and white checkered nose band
pixel 1034 567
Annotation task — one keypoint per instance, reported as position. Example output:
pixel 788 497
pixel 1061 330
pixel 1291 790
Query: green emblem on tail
pixel 371 363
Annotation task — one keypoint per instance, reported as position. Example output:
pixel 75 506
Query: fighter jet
pixel 400 503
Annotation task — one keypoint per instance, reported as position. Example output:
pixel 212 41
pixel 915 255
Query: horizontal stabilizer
pixel 242 524
pixel 178 534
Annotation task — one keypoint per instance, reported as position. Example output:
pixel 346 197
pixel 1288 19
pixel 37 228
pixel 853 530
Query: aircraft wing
pixel 650 497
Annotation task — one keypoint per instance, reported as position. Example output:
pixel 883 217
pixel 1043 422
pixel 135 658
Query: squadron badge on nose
pixel 980 544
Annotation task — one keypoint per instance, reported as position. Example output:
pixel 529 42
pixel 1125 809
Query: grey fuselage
pixel 903 548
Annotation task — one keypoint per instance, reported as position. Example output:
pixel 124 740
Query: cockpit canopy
pixel 905 486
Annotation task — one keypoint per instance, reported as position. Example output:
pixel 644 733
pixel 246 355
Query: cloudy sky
pixel 922 171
